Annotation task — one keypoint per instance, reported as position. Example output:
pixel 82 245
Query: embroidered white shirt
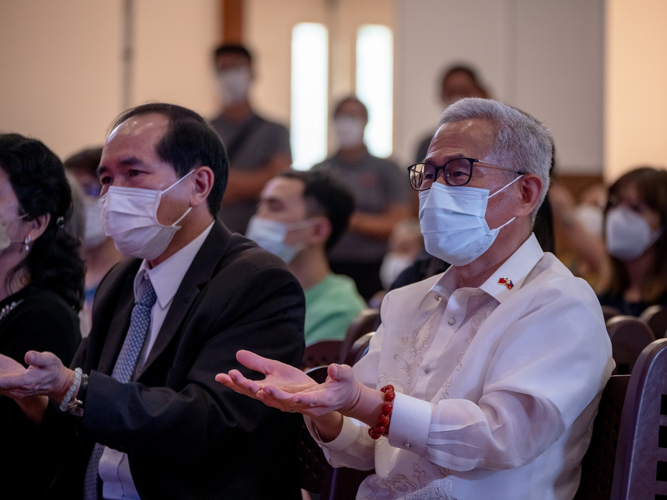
pixel 496 387
pixel 165 278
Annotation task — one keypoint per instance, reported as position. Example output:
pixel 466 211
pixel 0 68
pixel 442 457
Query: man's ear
pixel 530 187
pixel 321 231
pixel 202 183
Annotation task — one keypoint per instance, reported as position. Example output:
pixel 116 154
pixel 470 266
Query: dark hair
pixel 469 72
pixel 188 143
pixel 38 179
pixel 86 160
pixel 350 98
pixel 326 196
pixel 651 185
pixel 232 48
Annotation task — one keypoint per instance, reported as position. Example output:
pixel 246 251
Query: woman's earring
pixel 27 241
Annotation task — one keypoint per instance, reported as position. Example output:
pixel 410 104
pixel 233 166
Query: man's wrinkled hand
pixel 45 375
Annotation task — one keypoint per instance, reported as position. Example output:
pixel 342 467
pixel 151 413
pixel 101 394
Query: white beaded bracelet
pixel 78 372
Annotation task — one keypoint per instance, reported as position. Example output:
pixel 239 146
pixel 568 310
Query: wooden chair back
pixel 321 353
pixel 598 465
pixel 640 471
pixel 629 336
pixel 656 319
pixel 359 349
pixel 609 312
pixel 367 321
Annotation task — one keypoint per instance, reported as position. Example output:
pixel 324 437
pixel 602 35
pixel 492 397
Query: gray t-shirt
pixel 375 183
pixel 250 145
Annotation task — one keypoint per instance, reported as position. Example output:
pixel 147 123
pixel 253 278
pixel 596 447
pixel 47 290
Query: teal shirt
pixel 331 305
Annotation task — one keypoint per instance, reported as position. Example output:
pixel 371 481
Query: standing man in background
pixel 258 149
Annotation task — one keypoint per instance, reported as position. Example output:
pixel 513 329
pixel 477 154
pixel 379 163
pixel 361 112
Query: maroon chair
pixel 598 464
pixel 366 321
pixel 640 471
pixel 359 349
pixel 311 457
pixel 609 312
pixel 656 319
pixel 628 335
pixel 321 353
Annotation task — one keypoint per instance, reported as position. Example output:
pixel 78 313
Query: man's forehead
pixel 477 134
pixel 285 189
pixel 145 126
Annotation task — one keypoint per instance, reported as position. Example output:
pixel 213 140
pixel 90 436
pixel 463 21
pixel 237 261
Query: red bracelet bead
pixel 383 422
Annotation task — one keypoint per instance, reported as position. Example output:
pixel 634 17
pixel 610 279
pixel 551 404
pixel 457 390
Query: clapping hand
pixel 289 389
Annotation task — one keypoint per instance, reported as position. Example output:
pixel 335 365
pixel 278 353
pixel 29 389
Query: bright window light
pixel 375 85
pixel 308 124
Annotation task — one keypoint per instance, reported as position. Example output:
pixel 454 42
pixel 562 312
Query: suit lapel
pixel 198 275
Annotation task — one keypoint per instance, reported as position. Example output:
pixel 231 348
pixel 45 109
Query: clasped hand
pixel 45 375
pixel 289 389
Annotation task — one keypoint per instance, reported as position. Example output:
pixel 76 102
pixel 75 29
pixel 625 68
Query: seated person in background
pixel 636 239
pixel 381 199
pixel 301 215
pixel 41 289
pixel 495 367
pixel 99 251
pixel 141 416
pixel 457 82
pixel 406 243
pixel 258 149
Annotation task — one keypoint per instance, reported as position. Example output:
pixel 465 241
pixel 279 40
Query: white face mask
pixel 628 235
pixel 129 217
pixel 234 84
pixel 591 218
pixel 350 131
pixel 392 266
pixel 270 235
pixel 93 233
pixel 453 224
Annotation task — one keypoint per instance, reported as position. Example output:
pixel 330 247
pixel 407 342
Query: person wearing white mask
pixel 300 217
pixel 636 240
pixel 258 149
pixel 483 381
pixel 99 252
pixel 139 410
pixel 405 245
pixel 381 198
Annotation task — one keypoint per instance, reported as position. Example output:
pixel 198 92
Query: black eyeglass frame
pixel 442 169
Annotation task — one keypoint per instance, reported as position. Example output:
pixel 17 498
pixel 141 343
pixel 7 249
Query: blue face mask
pixel 453 224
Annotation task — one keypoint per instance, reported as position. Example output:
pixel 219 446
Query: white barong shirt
pixel 496 387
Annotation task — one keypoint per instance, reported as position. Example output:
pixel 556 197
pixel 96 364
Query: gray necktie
pixel 123 369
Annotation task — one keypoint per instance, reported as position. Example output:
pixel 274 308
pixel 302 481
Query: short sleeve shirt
pixel 376 183
pixel 260 140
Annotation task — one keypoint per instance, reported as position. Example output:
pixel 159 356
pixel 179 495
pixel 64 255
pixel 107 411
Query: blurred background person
pixel 381 193
pixel 635 237
pixel 457 82
pixel 99 251
pixel 406 243
pixel 301 216
pixel 258 149
pixel 41 277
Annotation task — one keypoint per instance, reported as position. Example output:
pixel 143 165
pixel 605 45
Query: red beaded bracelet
pixel 387 408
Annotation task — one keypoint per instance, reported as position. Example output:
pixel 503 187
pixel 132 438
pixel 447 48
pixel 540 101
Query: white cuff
pixel 410 423
pixel 348 434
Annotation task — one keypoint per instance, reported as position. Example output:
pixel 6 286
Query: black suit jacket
pixel 187 436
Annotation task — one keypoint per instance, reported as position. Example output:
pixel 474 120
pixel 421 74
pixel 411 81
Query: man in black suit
pixel 142 416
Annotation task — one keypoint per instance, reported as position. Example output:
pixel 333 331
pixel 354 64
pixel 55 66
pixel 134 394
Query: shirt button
pixel 427 369
pixel 406 445
pixel 452 321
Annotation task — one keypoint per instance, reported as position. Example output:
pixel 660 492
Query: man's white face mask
pixel 350 131
pixel 234 84
pixel 129 217
pixel 453 224
pixel 271 235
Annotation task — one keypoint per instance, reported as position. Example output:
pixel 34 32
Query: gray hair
pixel 521 141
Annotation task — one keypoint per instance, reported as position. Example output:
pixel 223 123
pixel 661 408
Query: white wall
pixel 61 78
pixel 544 56
pixel 636 75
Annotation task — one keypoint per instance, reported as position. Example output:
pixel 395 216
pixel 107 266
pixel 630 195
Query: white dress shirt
pixel 166 278
pixel 496 387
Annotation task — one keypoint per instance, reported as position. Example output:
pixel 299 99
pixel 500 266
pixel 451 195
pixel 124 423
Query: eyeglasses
pixel 457 172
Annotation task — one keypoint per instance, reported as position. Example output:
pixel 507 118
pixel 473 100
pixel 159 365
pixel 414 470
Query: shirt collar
pixel 166 277
pixel 507 278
